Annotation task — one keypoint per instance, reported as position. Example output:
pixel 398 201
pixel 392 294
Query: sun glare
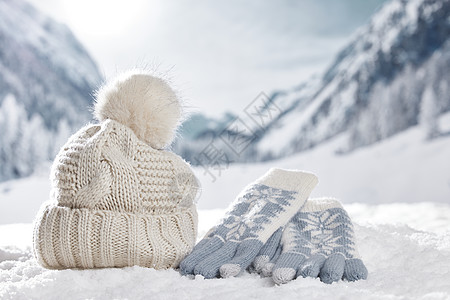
pixel 104 17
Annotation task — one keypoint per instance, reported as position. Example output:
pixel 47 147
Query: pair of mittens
pixel 260 210
pixel 318 241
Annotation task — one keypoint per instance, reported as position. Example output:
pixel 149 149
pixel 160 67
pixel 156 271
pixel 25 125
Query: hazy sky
pixel 221 54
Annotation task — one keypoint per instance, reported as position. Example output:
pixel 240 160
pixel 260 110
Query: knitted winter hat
pixel 118 200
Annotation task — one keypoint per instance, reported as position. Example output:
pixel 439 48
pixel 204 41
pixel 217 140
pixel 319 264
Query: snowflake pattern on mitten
pixel 318 241
pixel 259 211
pixel 258 205
pixel 323 232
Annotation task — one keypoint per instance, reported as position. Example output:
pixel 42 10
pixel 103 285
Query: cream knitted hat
pixel 118 200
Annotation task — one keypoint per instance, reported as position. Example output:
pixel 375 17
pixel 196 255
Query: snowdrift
pixel 404 261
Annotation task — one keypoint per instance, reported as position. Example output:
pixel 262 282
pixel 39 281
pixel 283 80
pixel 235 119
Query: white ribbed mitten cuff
pixel 300 182
pixel 290 180
pixel 320 204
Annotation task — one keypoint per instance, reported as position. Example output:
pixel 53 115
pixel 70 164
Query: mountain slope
pixel 46 80
pixel 373 89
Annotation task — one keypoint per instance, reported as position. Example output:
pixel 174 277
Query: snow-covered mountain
pixel 46 78
pixel 375 87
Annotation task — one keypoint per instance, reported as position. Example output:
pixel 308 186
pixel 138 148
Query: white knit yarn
pixel 116 202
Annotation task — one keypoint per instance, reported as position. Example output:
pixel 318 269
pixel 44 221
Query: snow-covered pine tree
pixel 429 113
pixel 24 142
pixel 10 115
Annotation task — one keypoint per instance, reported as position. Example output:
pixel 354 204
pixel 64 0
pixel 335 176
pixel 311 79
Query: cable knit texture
pixel 116 202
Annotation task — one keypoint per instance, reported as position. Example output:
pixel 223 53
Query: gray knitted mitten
pixel 260 210
pixel 268 254
pixel 318 242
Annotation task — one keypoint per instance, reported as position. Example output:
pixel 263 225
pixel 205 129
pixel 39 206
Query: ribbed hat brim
pixel 84 238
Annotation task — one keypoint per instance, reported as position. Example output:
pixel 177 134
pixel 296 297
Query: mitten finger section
pixel 283 275
pixel 286 267
pixel 267 251
pixel 209 267
pixel 333 268
pixel 266 270
pixel 259 263
pixel 277 253
pixel 355 270
pixel 270 247
pixel 245 254
pixel 200 252
pixel 311 267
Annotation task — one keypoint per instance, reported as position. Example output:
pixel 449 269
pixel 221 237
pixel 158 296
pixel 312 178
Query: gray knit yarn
pixel 260 210
pixel 319 241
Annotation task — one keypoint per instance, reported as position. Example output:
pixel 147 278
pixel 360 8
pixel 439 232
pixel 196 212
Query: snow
pixel 54 41
pixel 46 79
pixel 408 257
pixel 403 168
pixel 402 14
pixel 397 192
pixel 302 116
pixel 20 199
pixel 373 89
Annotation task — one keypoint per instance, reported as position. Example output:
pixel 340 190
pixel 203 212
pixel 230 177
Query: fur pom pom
pixel 144 103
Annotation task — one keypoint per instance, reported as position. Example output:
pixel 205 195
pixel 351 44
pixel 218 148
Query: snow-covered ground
pixel 397 193
pixel 403 168
pixel 406 248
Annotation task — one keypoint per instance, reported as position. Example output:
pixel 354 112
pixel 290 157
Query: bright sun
pixel 105 17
